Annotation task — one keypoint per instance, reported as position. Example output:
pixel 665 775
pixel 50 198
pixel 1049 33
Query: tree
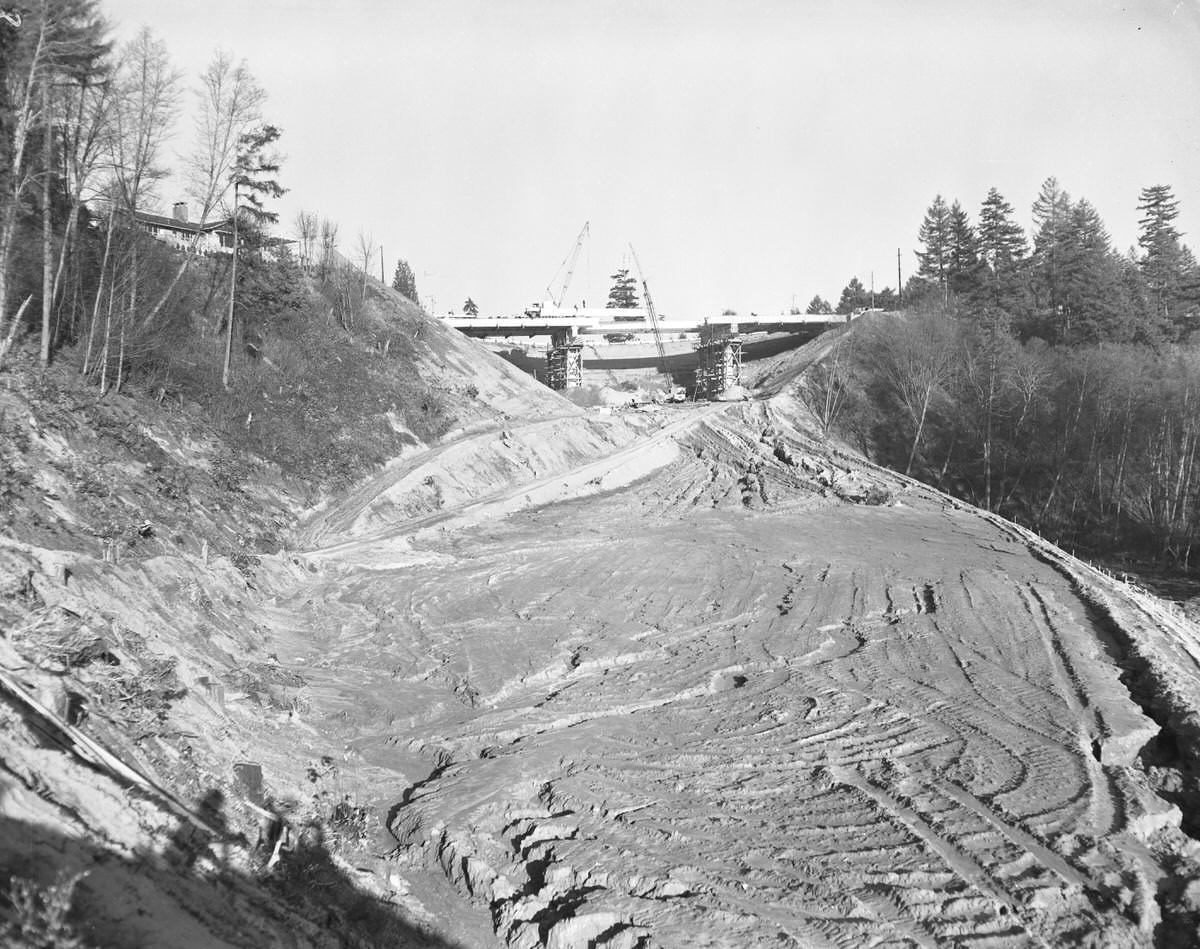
pixel 1002 244
pixel 365 248
pixel 257 165
pixel 147 103
pixel 934 258
pixel 828 383
pixel 469 308
pixel 1002 251
pixel 328 247
pixel 623 294
pixel 256 160
pixel 962 252
pixel 404 281
pixel 1092 306
pixel 916 358
pixel 1163 261
pixel 230 104
pixel 817 305
pixel 854 297
pixel 1052 220
pixel 56 41
pixel 307 229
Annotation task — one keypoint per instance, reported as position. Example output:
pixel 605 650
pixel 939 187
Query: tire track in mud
pixel 711 723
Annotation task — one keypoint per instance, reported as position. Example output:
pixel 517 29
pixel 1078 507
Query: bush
pixel 40 915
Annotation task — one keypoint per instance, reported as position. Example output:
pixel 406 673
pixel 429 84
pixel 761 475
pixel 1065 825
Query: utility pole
pixel 872 289
pixel 381 279
pixel 899 281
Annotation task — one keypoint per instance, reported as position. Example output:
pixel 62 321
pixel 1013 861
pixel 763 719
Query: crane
pixel 569 264
pixel 676 393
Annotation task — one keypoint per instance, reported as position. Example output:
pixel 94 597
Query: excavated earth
pixel 732 703
pixel 694 677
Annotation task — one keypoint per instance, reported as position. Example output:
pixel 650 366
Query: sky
pixel 754 153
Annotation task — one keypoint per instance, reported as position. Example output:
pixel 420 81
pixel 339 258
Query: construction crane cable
pixel 569 265
pixel 662 353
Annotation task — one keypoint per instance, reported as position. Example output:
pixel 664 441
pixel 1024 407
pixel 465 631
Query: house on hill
pixel 216 237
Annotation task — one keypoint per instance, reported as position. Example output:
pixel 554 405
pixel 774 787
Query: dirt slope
pixel 686 677
pixel 723 707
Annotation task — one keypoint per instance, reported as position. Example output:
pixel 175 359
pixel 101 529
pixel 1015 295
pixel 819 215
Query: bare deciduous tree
pixel 307 230
pixel 329 240
pixel 365 253
pixel 230 100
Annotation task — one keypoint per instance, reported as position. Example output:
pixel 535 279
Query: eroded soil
pixel 722 705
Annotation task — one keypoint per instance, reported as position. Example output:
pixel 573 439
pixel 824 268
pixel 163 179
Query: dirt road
pixel 719 706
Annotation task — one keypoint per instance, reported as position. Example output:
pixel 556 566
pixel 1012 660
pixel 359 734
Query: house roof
pixel 159 220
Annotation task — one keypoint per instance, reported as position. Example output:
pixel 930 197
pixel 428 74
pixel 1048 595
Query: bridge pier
pixel 564 361
pixel 718 361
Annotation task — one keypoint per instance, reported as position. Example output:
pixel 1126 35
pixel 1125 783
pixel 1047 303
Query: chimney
pixel 180 212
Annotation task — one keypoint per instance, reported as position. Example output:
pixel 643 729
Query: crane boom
pixel 569 264
pixel 662 355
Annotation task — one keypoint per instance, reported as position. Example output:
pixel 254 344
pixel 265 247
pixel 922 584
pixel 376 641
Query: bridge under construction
pixel 715 351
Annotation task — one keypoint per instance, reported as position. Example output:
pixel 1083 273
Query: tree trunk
pixel 47 229
pixel 232 293
pixel 87 356
pixel 920 428
pixel 6 343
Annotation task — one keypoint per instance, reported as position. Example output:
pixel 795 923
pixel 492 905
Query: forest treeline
pixel 272 341
pixel 87 136
pixel 1053 380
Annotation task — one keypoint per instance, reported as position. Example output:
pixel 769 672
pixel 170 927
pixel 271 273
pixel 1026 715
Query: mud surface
pixel 723 704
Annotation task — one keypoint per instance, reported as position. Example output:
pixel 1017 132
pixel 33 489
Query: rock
pixel 579 932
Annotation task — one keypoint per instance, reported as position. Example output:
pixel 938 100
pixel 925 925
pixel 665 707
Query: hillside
pixel 544 676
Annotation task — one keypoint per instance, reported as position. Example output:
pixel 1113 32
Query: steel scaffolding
pixel 718 362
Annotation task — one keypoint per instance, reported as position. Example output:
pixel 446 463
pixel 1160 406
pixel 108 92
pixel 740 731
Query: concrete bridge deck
pixel 587 324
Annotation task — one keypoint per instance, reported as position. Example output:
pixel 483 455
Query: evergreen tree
pixel 816 305
pixel 934 235
pixel 1052 218
pixel 854 297
pixel 1002 250
pixel 1092 305
pixel 404 281
pixel 469 308
pixel 623 294
pixel 1002 243
pixel 257 164
pixel 51 50
pixel 1163 262
pixel 962 267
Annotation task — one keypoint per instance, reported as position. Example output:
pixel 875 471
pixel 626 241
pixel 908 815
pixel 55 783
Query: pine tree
pixel 817 306
pixel 1002 244
pixel 623 294
pixel 1163 262
pixel 1091 304
pixel 1052 218
pixel 403 281
pixel 935 239
pixel 962 267
pixel 854 297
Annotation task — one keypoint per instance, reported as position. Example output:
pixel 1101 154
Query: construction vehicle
pixel 674 393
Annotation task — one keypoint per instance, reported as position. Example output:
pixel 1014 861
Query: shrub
pixel 40 915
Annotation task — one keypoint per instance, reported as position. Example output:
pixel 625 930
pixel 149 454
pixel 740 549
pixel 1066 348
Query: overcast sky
pixel 751 152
